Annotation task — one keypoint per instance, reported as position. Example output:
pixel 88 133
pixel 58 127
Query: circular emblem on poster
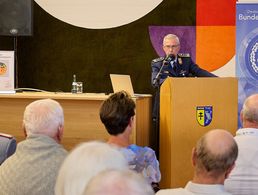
pixel 3 68
pixel 251 57
pixel 248 56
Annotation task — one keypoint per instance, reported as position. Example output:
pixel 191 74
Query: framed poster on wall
pixel 7 72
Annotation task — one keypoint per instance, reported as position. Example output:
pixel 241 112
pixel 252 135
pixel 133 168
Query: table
pixel 81 112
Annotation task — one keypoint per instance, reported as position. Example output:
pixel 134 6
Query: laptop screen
pixel 122 82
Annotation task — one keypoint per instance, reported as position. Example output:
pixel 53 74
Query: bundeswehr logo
pixel 204 115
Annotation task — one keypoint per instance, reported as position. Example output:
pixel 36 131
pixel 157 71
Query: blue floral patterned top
pixel 144 161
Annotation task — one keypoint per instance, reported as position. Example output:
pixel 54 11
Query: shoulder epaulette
pixel 158 59
pixel 184 55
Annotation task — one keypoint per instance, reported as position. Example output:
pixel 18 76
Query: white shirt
pixel 196 189
pixel 173 62
pixel 244 177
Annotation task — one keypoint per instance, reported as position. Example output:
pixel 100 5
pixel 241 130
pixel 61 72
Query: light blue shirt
pixel 143 160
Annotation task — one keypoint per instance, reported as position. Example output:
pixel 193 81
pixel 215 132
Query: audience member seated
pixel 244 177
pixel 7 146
pixel 213 158
pixel 114 182
pixel 33 168
pixel 84 162
pixel 117 114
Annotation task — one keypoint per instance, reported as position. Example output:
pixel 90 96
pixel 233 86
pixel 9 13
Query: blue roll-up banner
pixel 246 51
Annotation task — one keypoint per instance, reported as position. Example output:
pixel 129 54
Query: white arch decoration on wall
pixel 98 14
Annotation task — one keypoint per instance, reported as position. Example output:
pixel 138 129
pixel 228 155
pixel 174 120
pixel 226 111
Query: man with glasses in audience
pixel 173 64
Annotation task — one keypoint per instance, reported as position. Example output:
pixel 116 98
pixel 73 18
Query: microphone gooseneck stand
pixel 156 84
pixel 157 77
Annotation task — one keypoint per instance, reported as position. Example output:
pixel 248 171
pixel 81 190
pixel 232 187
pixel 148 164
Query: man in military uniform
pixel 174 64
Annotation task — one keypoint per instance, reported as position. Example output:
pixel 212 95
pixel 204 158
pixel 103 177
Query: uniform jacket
pixel 183 66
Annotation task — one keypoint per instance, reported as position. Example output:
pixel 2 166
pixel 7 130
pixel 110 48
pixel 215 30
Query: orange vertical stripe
pixel 215 46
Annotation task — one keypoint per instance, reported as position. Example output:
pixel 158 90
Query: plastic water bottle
pixel 74 84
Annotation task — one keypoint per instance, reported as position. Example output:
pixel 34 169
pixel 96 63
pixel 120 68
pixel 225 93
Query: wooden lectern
pixel 183 102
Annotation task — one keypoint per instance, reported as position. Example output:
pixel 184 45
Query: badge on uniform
pixel 180 61
pixel 204 115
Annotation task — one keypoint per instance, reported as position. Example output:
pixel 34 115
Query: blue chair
pixel 7 146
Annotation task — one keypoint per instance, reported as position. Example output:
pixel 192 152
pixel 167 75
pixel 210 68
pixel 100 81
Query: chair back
pixel 7 146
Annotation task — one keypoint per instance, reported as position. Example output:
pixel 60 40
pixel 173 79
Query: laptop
pixel 122 82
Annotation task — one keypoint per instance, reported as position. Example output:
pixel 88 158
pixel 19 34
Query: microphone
pixel 168 58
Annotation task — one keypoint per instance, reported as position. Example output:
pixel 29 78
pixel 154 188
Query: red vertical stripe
pixel 215 12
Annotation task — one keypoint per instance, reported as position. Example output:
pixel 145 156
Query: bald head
pixel 219 141
pixel 249 113
pixel 216 151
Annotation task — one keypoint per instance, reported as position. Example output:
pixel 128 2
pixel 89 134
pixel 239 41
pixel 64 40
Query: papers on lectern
pixel 7 72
